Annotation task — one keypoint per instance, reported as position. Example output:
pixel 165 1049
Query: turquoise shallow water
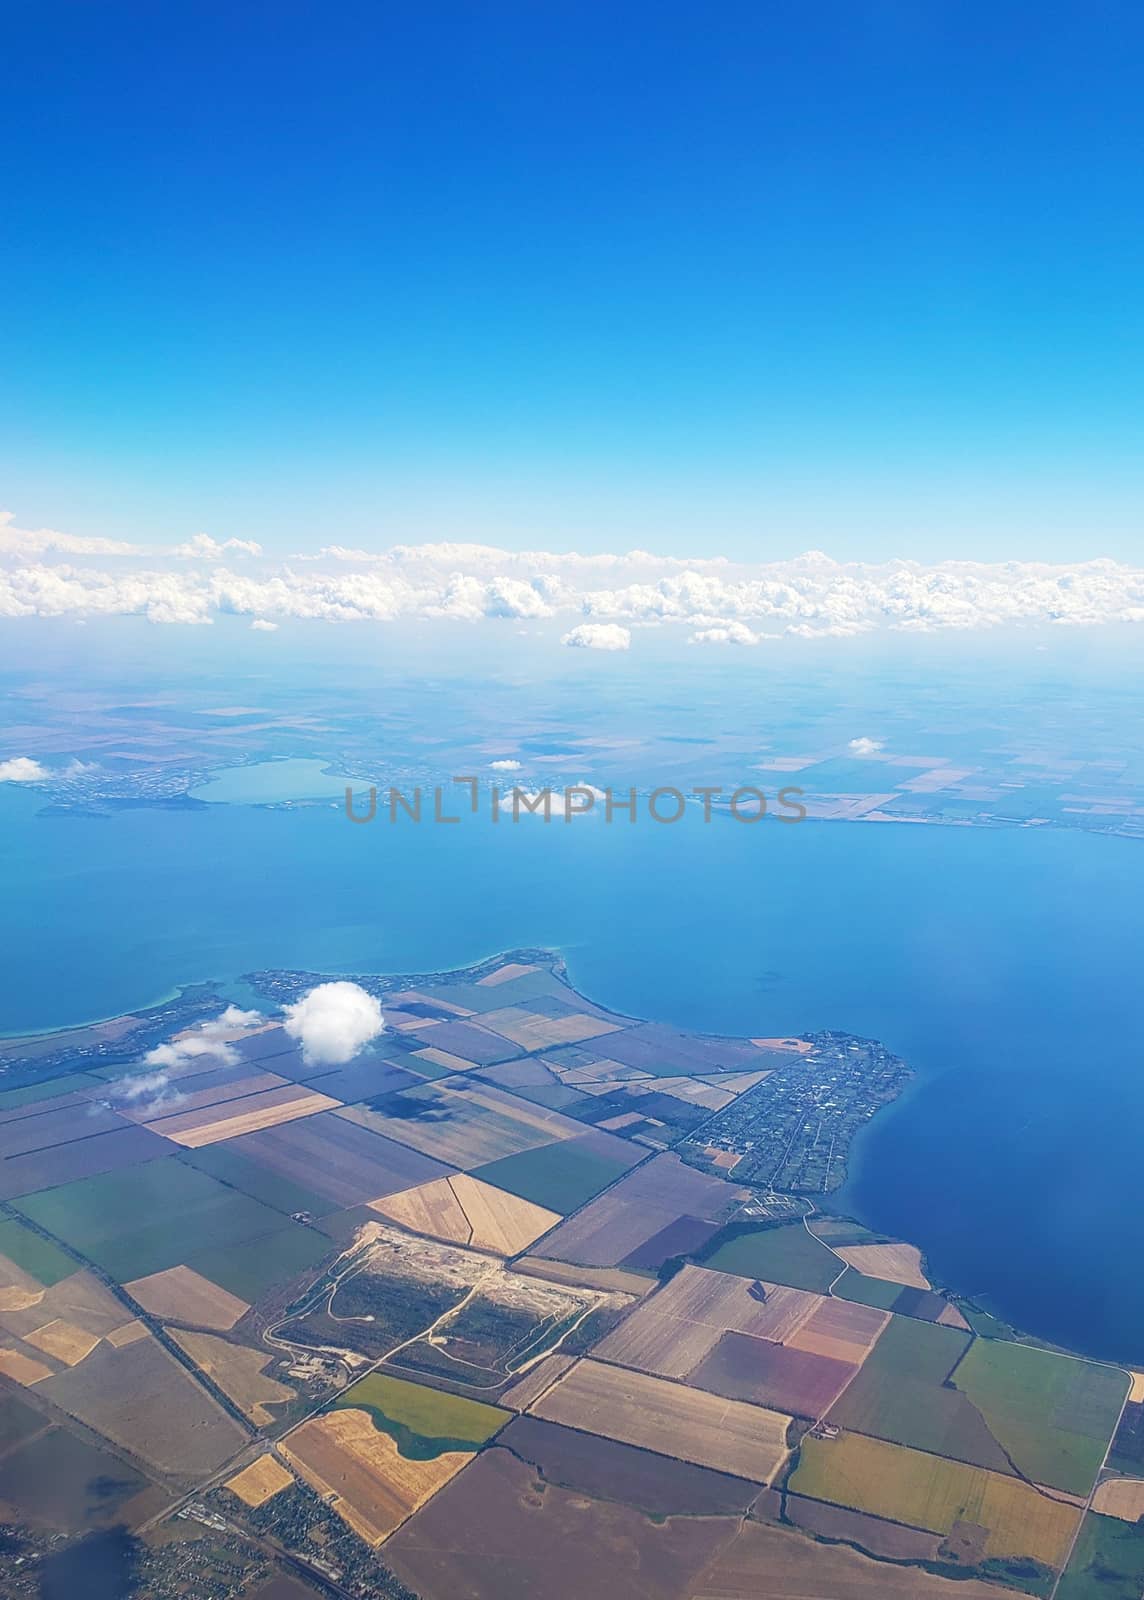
pixel 270 781
pixel 1002 964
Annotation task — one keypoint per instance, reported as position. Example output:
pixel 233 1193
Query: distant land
pixel 525 1285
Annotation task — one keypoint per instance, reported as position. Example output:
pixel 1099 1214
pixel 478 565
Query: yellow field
pixel 655 1414
pixel 63 1340
pixel 896 1263
pixel 128 1334
pixel 21 1368
pixel 238 1371
pixel 1121 1497
pixel 431 1208
pixel 710 1096
pixel 18 1289
pixel 951 1317
pixel 186 1296
pixel 534 1032
pixel 212 1124
pixel 442 1058
pixel 500 1221
pixel 256 1083
pixel 925 1491
pixel 511 969
pixel 376 1489
pixel 1137 1392
pixel 79 1299
pixel 260 1482
pixel 464 1210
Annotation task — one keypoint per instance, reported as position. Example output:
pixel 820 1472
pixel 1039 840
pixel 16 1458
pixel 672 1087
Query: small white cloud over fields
pixel 333 1021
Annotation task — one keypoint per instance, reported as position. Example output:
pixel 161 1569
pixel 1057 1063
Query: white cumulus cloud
pixel 201 547
pixel 260 625
pixel 22 769
pixel 864 747
pixel 598 636
pixel 808 596
pixel 210 1043
pixel 726 633
pixel 42 541
pixel 507 765
pixel 333 1021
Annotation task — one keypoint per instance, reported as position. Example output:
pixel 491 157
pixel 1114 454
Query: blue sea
pixel 1003 964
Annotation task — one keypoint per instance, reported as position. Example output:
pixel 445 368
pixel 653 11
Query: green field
pixel 252 1267
pixel 13 1099
pixel 1108 1562
pixel 925 1491
pixel 424 1423
pixel 18 1422
pixel 864 1291
pixel 899 1395
pixel 561 1176
pixel 260 1183
pixel 143 1219
pixel 786 1254
pixel 1053 1414
pixel 45 1261
pixel 842 1231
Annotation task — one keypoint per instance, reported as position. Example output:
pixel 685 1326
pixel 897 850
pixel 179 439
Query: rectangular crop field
pixel 465 1124
pixel 46 1129
pixel 250 1268
pixel 924 1491
pixel 229 1166
pixel 901 1395
pixel 33 1254
pixel 564 1176
pixel 744 1440
pixel 842 1331
pixel 138 1221
pixel 145 1401
pixel 647 1202
pixel 1054 1415
pixel 37 1170
pixel 1108 1562
pixel 672 1331
pixel 180 1295
pixel 194 1092
pixel 774 1375
pixel 349 1165
pixel 786 1254
pixel 211 1124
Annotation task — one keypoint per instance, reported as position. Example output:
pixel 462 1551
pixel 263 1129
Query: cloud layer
pixel 594 601
pixel 333 1021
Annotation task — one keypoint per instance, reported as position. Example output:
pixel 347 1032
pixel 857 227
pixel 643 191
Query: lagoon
pixel 270 783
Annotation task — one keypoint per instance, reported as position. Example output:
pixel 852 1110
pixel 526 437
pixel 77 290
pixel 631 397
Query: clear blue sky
pixel 744 277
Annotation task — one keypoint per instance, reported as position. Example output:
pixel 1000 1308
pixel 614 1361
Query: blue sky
pixel 742 279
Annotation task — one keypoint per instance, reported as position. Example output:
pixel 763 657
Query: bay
pixel 1002 964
